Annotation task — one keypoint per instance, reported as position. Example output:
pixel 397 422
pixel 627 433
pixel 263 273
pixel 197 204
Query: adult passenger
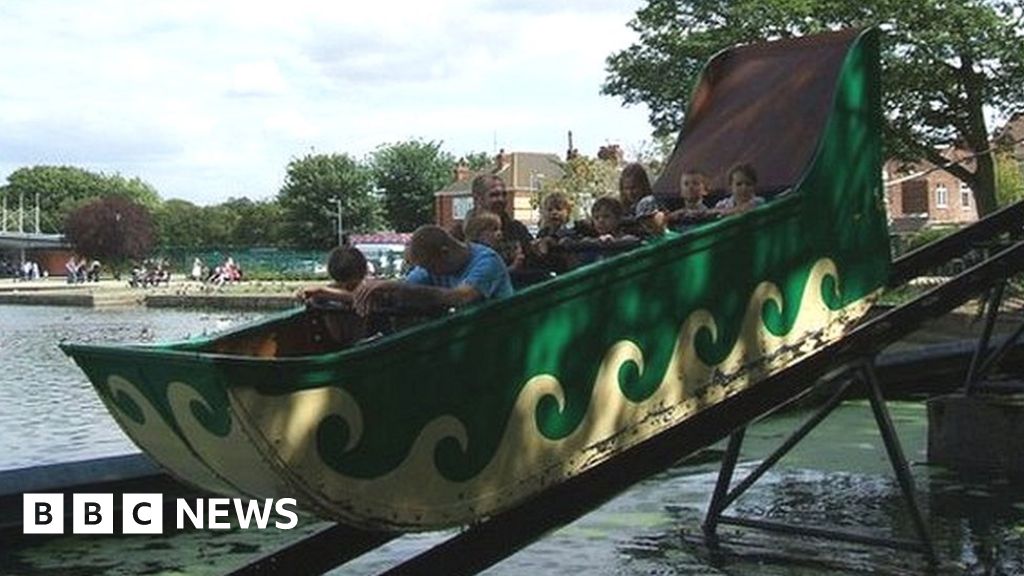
pixel 446 273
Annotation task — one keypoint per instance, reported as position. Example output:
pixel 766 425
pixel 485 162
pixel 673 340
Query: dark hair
pixel 636 172
pixel 346 264
pixel 609 203
pixel 742 168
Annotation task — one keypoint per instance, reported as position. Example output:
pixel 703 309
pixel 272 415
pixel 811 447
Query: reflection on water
pixel 838 477
pixel 48 411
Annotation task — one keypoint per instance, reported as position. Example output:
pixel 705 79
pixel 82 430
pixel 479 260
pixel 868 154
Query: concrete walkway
pixel 110 293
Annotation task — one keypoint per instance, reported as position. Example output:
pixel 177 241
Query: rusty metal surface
pixel 766 105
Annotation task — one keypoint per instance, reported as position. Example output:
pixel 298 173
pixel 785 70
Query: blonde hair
pixel 557 199
pixel 480 223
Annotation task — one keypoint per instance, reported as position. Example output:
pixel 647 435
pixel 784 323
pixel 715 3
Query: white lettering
pixel 293 518
pixel 219 509
pixel 196 517
pixel 253 509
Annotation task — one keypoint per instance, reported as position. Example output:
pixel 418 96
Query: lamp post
pixel 337 203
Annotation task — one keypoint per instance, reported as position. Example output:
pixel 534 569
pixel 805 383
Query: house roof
pixel 524 168
pixel 1012 133
pixel 522 171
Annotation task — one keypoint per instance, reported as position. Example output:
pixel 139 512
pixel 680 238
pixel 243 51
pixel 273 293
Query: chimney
pixel 461 172
pixel 611 153
pixel 501 161
pixel 570 151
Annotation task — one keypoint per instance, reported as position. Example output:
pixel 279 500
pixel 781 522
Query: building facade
pixel 523 174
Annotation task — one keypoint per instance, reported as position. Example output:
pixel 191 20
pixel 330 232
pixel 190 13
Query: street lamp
pixel 337 203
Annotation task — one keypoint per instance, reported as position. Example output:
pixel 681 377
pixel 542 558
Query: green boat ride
pixel 458 418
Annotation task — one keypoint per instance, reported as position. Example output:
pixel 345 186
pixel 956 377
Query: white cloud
pixel 261 78
pixel 209 99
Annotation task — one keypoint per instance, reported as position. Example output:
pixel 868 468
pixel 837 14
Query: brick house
pixel 934 198
pixel 522 173
pixel 937 198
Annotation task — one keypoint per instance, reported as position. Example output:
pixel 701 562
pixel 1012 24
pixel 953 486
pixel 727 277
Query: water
pixel 838 477
pixel 48 410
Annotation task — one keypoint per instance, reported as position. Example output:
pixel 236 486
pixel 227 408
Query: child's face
pixel 605 221
pixel 742 186
pixel 556 214
pixel 491 237
pixel 691 187
pixel 629 192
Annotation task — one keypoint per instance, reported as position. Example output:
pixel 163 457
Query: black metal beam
pixel 934 254
pixel 317 553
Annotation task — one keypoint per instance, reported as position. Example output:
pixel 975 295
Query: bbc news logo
pixel 144 513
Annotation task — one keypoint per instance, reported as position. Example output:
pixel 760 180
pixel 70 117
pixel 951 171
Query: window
pixel 941 196
pixel 915 197
pixel 965 195
pixel 461 206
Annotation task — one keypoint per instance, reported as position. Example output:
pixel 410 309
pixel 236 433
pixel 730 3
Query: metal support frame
pixel 984 359
pixel 723 497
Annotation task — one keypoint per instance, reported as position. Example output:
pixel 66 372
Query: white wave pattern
pixel 416 496
pixel 159 440
pixel 232 457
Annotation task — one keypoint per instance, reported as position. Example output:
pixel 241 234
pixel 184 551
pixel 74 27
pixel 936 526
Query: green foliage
pixel 306 205
pixel 1009 179
pixel 583 179
pixel 409 173
pixel 234 223
pixel 944 63
pixel 113 229
pixel 478 161
pixel 61 189
pixel 654 154
pixel 929 235
pixel 180 223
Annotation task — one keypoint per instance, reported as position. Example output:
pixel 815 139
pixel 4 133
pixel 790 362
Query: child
pixel 743 185
pixel 347 268
pixel 633 185
pixel 651 218
pixel 555 211
pixel 607 216
pixel 693 187
pixel 484 228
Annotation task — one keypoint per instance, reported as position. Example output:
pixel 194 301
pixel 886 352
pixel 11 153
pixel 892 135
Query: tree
pixel 113 229
pixel 253 223
pixel 311 183
pixel 477 161
pixel 180 223
pixel 61 189
pixel 409 173
pixel 1009 179
pixel 944 64
pixel 583 179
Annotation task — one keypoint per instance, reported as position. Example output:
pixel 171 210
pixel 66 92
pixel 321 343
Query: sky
pixel 207 100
